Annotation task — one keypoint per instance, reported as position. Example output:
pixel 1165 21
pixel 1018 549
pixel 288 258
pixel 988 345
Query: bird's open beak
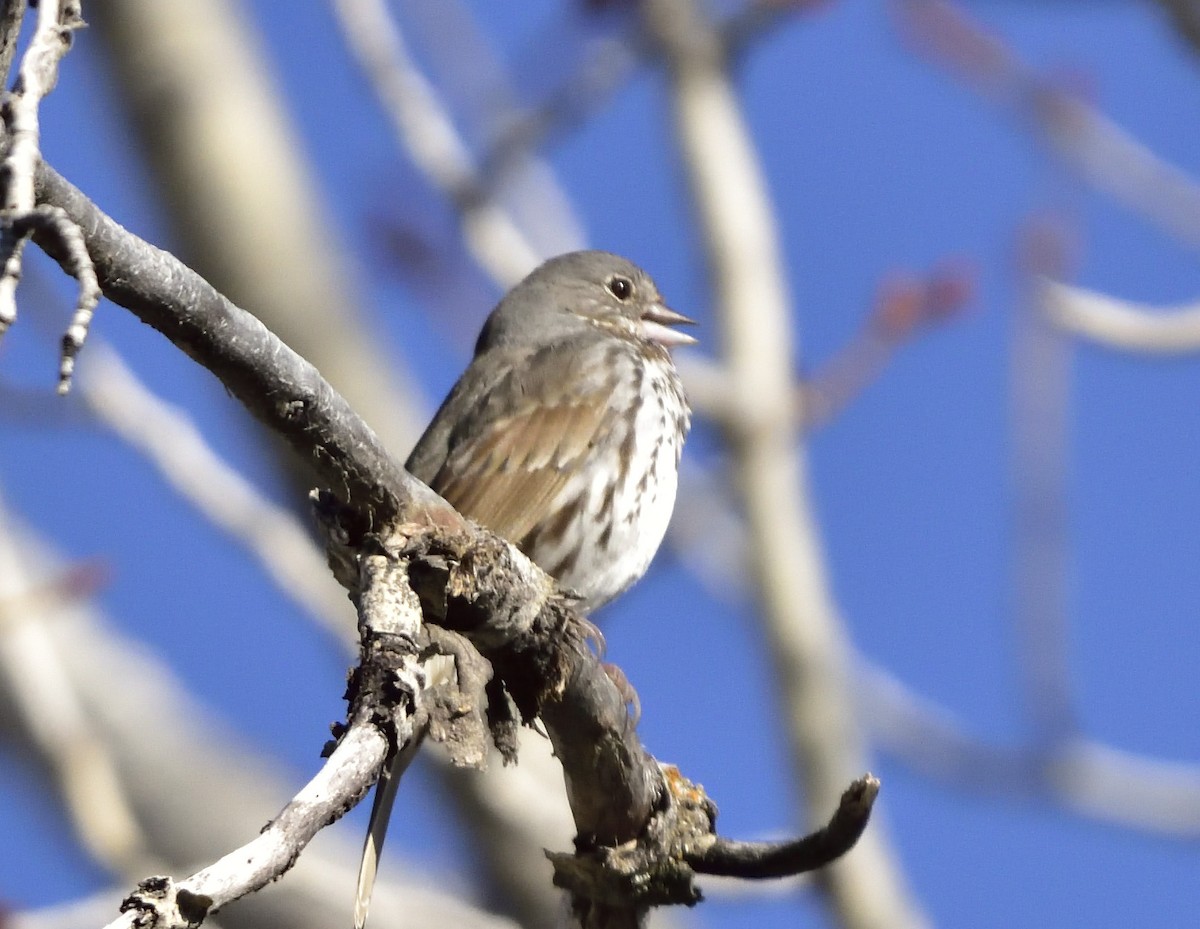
pixel 655 324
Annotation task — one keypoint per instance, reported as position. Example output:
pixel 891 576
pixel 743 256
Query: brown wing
pixel 520 444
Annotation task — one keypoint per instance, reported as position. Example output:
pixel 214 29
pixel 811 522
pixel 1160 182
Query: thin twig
pixel 484 96
pixel 164 903
pixel 904 305
pixel 19 218
pixel 388 611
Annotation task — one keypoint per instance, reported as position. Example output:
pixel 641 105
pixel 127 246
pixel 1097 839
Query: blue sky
pixel 878 160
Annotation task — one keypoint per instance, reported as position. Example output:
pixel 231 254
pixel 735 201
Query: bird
pixel 563 436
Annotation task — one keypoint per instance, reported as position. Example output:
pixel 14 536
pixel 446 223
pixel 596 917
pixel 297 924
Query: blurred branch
pixel 602 68
pixel 53 716
pixel 428 134
pixel 514 813
pixel 1083 776
pixel 483 96
pixel 12 12
pixel 1097 149
pixel 1039 378
pixel 1078 774
pixel 127 692
pixel 242 199
pixel 1185 17
pixel 865 889
pixel 605 65
pixel 904 305
pixel 1120 324
pixel 168 439
pixel 758 18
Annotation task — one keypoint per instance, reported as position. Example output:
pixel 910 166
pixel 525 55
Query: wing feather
pixel 524 442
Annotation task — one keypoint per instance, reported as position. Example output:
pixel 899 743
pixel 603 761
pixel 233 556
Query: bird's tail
pixel 381 814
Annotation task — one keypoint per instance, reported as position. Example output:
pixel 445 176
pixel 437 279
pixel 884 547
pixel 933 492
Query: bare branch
pixel 428 133
pixel 126 692
pixel 12 12
pixel 390 620
pixel 866 889
pixel 37 76
pixel 273 382
pixel 1087 141
pixel 55 717
pixel 469 581
pixel 169 440
pixel 759 860
pixel 1120 324
pixel 244 203
pixel 167 904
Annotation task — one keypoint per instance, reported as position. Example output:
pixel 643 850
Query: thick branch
pixel 245 208
pixel 501 600
pixel 275 384
pixel 469 580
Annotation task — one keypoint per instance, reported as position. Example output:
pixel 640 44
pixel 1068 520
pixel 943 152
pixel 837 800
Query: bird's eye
pixel 620 287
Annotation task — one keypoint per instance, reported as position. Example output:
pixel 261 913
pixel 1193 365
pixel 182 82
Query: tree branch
pixel 1120 324
pixel 20 217
pixel 390 622
pixel 469 580
pixel 276 385
pixel 12 12
pixel 758 860
pixel 866 890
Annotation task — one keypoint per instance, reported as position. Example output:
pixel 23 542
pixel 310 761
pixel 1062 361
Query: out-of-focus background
pixel 987 219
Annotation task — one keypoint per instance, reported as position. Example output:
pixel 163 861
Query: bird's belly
pixel 616 531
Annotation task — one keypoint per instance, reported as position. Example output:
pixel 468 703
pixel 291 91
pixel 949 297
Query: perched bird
pixel 563 436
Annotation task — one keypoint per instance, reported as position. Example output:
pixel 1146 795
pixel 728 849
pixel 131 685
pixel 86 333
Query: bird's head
pixel 568 294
